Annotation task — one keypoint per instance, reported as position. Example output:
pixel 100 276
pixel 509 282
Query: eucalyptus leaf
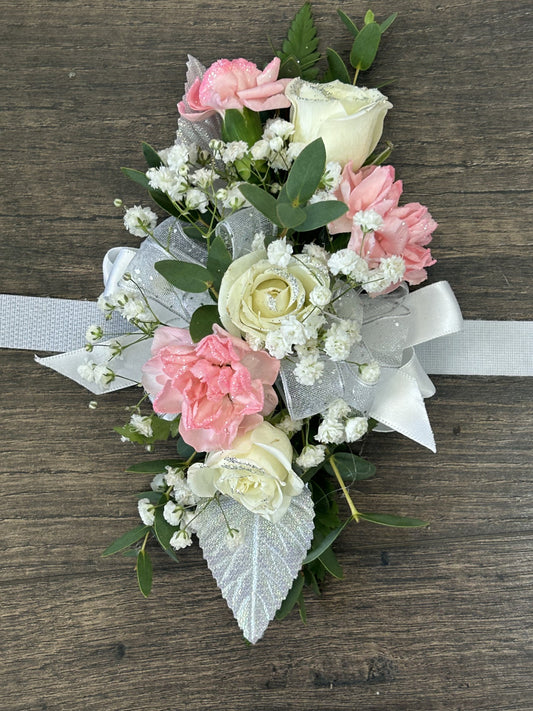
pixel 290 216
pixel 144 572
pixel 327 542
pixel 350 24
pixel 350 466
pixel 306 173
pixel 218 260
pixel 162 529
pixel 184 450
pixel 337 67
pixel 163 200
pixel 330 562
pixel 155 466
pixel 126 540
pixel 390 520
pixel 137 176
pixel 202 321
pixel 388 22
pixel 185 275
pixel 151 156
pixel 261 200
pixel 318 214
pixel 365 47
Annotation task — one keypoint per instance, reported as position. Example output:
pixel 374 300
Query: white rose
pixel 349 119
pixel 255 295
pixel 256 472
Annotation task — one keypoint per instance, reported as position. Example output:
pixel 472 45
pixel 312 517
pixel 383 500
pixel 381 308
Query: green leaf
pixel 290 216
pixel 330 562
pixel 242 125
pixel 298 54
pixel 306 173
pixel 151 156
pixel 163 530
pixel 369 17
pixel 127 540
pixel 365 47
pixel 155 466
pixel 184 450
pixel 326 543
pixel 218 260
pixel 136 175
pixel 193 232
pixel 202 321
pixel 144 572
pixel 171 554
pixel 185 275
pixel 351 467
pixel 162 199
pixel 152 496
pixel 321 213
pixel 379 157
pixel 261 200
pixel 388 22
pixel 292 598
pixel 350 24
pixel 337 67
pixel 390 520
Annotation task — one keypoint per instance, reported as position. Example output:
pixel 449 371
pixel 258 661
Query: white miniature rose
pixel 349 119
pixel 256 295
pixel 256 472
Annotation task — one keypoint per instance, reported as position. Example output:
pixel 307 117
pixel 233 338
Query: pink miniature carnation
pixel 233 84
pixel 404 230
pixel 221 387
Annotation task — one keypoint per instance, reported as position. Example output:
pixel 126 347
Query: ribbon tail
pixel 399 405
pixel 127 370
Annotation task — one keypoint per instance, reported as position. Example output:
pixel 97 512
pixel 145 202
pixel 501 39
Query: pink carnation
pixel 404 231
pixel 220 386
pixel 233 84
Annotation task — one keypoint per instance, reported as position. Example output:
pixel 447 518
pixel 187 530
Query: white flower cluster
pixel 140 221
pixel 180 509
pixel 346 262
pixel 275 146
pixel 340 425
pixel 128 304
pixel 311 456
pixel 99 373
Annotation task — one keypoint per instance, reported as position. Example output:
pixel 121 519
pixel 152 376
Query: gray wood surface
pixel 436 620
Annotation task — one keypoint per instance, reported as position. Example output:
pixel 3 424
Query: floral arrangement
pixel 267 319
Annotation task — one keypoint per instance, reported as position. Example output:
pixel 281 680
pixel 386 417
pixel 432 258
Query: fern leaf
pixel 299 50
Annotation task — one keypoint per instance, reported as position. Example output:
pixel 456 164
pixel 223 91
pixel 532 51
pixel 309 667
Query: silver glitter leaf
pixel 255 569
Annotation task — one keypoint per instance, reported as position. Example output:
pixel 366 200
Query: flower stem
pixel 354 511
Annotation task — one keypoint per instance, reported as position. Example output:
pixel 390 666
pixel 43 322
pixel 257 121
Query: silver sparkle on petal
pixel 255 577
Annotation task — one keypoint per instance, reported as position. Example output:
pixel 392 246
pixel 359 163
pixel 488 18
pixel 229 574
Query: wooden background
pixel 437 619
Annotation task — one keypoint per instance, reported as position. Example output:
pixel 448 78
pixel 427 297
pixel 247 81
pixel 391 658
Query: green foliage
pixel 299 50
pixel 337 69
pixel 390 520
pixel 218 260
pixel 293 597
pixel 202 321
pixel 144 572
pixel 137 176
pixel 379 157
pixel 318 549
pixel 184 450
pixel 350 24
pixel 185 275
pixel 151 156
pixel 291 211
pixel 365 44
pixel 351 467
pixel 161 431
pixel 242 125
pixel 162 529
pixel 155 466
pixel 126 540
pixel 164 202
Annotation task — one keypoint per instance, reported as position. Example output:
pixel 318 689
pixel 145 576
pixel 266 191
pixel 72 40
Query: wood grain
pixel 438 619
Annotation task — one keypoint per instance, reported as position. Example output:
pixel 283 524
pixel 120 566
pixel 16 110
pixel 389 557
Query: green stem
pixel 354 511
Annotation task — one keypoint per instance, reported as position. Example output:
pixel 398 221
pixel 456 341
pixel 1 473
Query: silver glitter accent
pixel 255 578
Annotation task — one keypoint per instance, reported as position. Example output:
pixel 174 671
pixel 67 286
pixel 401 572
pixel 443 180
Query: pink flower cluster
pixel 220 386
pixel 233 84
pixel 404 230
